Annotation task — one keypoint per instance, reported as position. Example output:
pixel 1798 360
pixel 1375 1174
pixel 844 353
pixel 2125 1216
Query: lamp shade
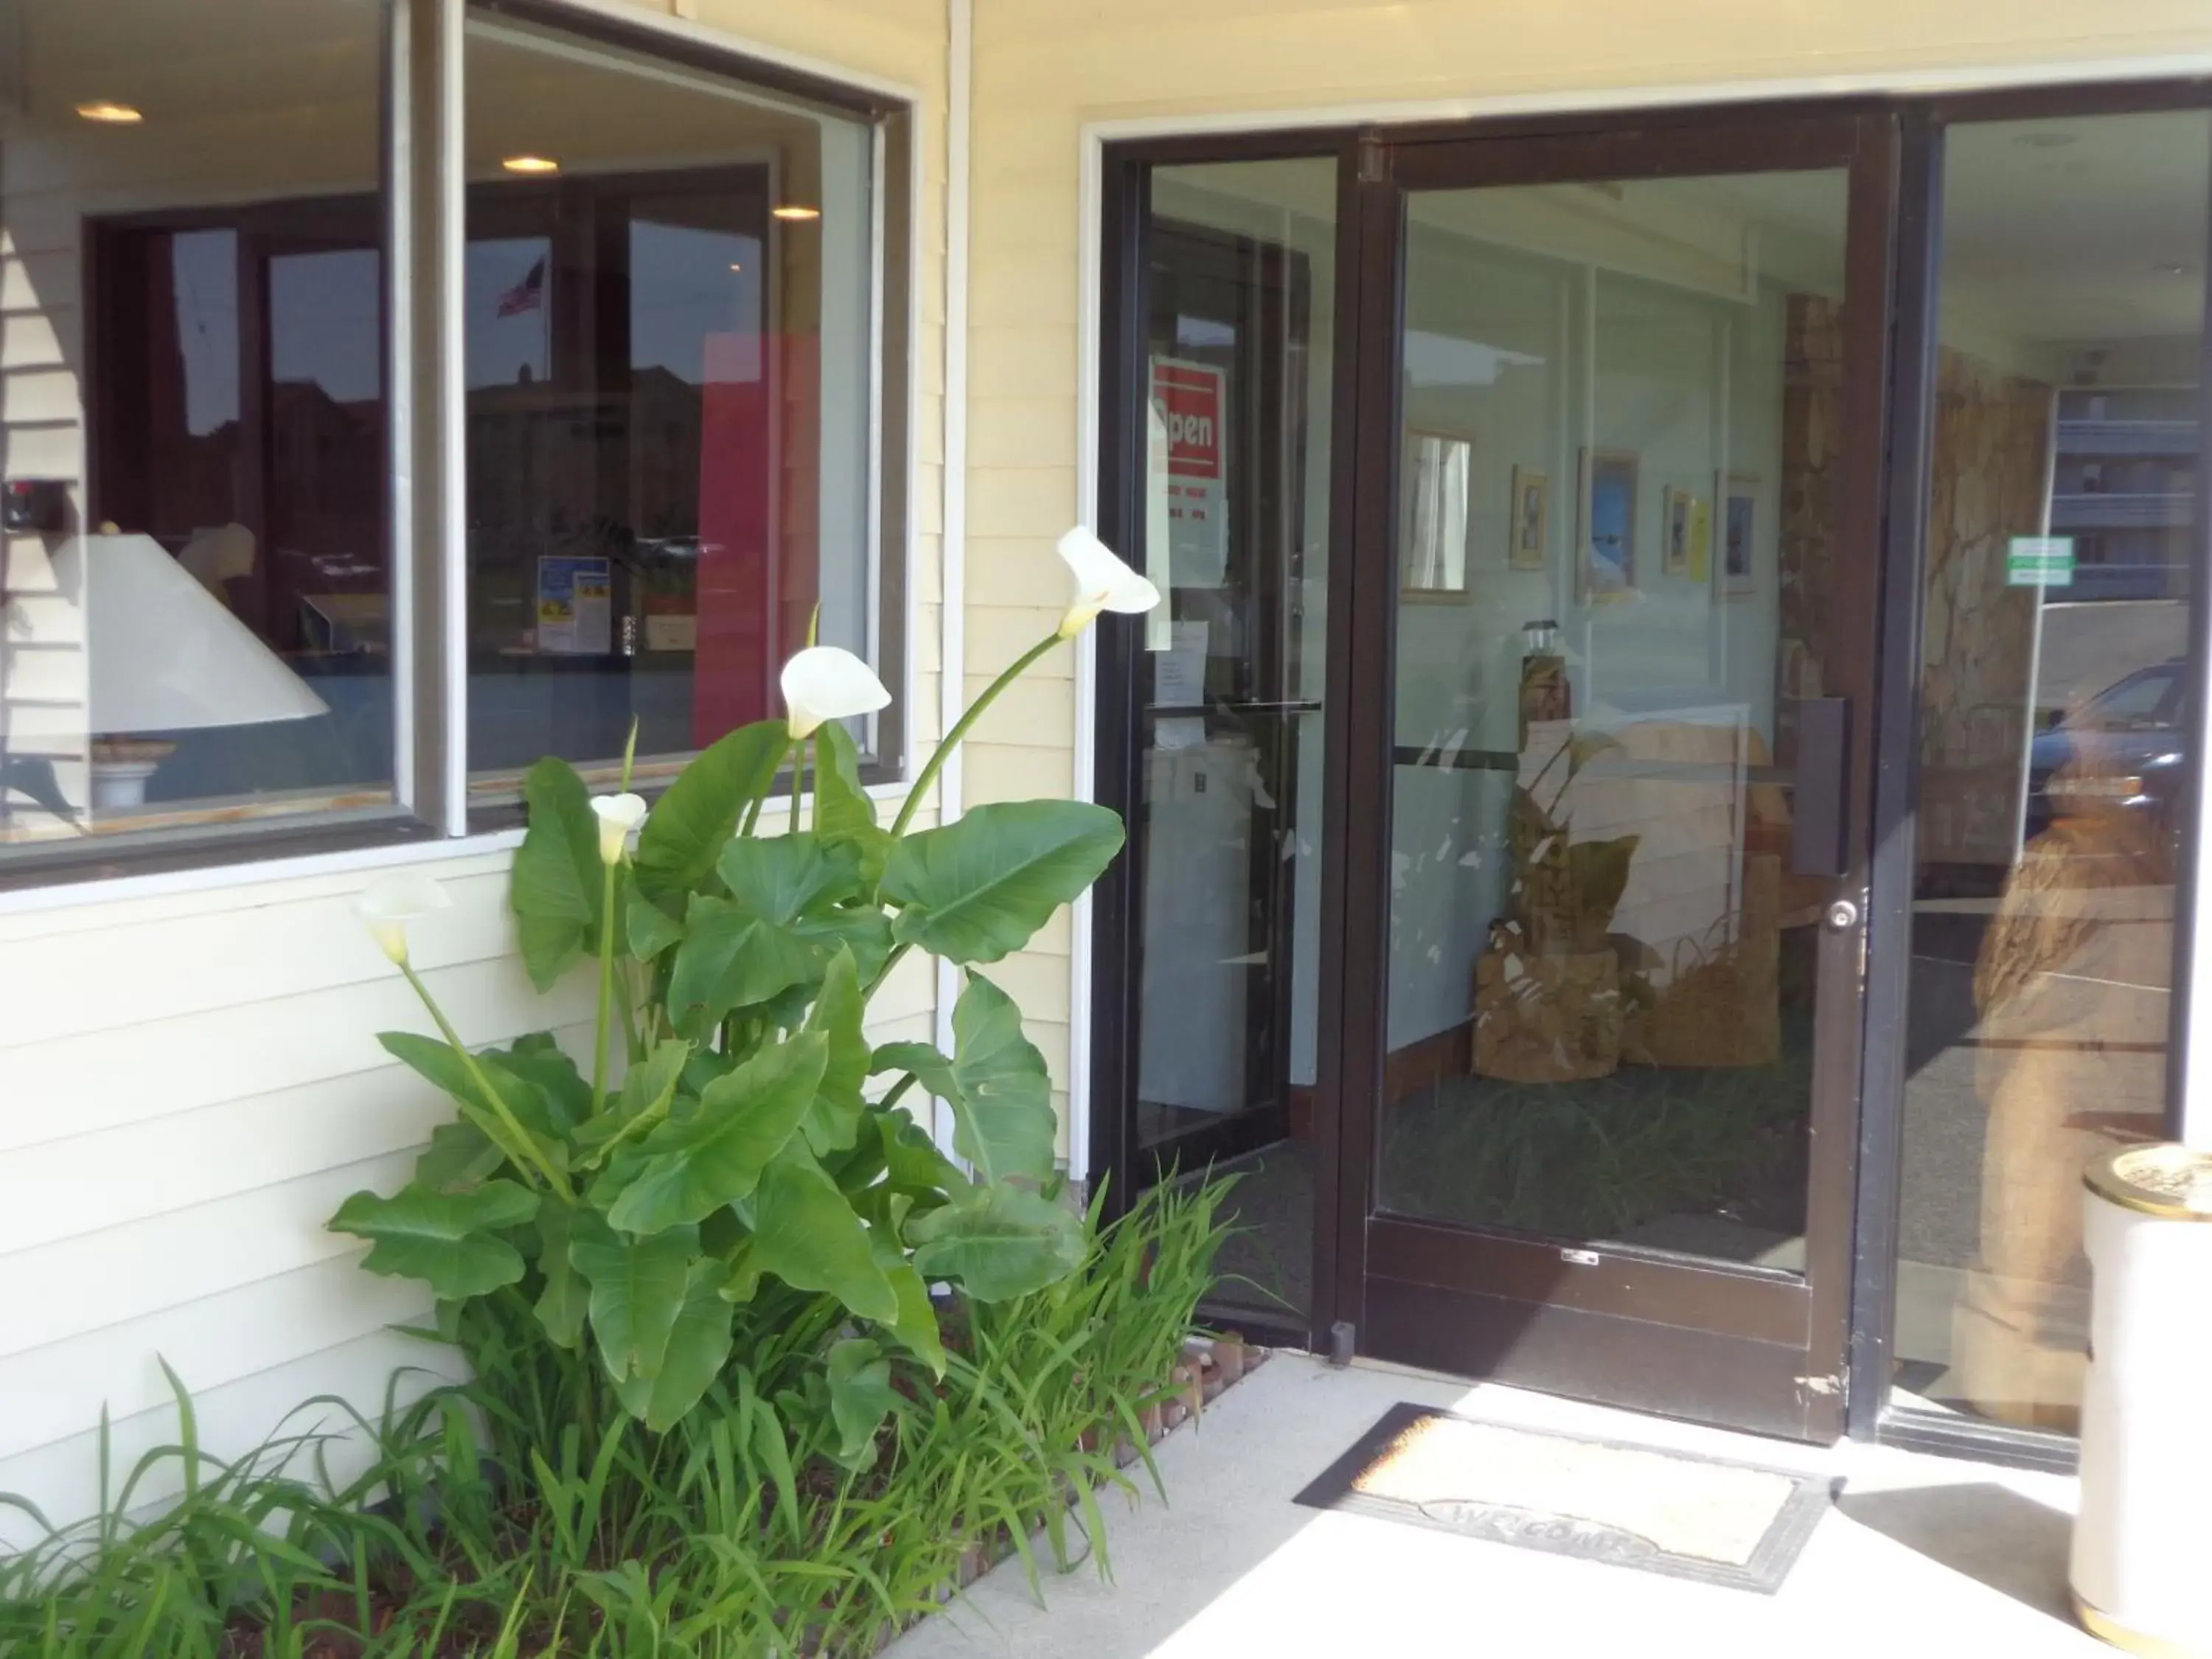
pixel 164 655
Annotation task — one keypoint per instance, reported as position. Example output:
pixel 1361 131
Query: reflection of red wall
pixel 756 587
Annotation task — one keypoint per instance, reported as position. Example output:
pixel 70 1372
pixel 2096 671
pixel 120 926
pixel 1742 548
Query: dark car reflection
pixel 2124 746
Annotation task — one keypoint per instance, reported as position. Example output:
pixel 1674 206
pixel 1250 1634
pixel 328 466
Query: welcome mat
pixel 1689 1516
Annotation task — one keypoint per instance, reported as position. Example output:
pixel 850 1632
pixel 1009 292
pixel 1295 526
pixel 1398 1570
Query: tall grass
pixel 523 1513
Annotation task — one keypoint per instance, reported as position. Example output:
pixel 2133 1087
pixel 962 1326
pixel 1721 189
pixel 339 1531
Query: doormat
pixel 1705 1518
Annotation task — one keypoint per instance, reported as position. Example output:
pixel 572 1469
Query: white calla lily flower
pixel 387 904
pixel 618 816
pixel 827 683
pixel 1103 582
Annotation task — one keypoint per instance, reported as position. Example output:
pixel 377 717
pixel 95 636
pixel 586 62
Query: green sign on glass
pixel 2040 561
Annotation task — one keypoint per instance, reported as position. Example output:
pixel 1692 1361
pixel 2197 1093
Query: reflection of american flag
pixel 528 295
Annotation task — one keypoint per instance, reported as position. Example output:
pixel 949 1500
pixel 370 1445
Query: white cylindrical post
pixel 2138 1571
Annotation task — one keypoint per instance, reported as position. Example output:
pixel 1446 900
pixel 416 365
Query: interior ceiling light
pixel 101 109
pixel 734 266
pixel 796 211
pixel 531 164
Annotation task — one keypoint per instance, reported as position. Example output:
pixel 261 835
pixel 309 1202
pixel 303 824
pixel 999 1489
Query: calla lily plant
pixel 754 1142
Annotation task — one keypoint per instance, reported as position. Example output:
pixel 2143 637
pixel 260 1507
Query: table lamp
pixel 163 654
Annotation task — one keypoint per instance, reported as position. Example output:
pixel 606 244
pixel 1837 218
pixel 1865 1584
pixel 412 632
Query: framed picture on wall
pixel 1528 533
pixel 1607 556
pixel 1739 527
pixel 1686 523
pixel 1432 521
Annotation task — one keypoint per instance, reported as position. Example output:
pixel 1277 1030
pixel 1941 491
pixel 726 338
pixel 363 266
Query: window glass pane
pixel 198 632
pixel 1241 285
pixel 1603 970
pixel 2061 528
pixel 667 335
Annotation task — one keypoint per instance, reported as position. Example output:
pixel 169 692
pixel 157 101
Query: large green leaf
pixel 443 1064
pixel 860 1398
pixel 1002 1112
pixel 785 877
pixel 912 1161
pixel 995 1083
pixel 647 929
pixel 689 1168
pixel 556 887
pixel 459 1155
pixel 997 1242
pixel 648 1088
pixel 450 1241
pixel 538 1060
pixel 916 1324
pixel 844 813
pixel 833 1121
pixel 806 1234
pixel 691 822
pixel 731 958
pixel 698 1347
pixel 638 1288
pixel 776 930
pixel 981 887
pixel 562 1302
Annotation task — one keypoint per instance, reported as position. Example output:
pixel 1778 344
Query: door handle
pixel 1820 814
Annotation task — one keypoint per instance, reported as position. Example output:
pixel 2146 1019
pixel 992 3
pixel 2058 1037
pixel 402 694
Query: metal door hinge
pixel 1372 167
pixel 1341 1346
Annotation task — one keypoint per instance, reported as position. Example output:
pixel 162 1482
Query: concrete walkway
pixel 1922 1557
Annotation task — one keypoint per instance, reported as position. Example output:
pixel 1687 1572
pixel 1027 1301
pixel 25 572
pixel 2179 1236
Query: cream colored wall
pixel 1044 69
pixel 191 1082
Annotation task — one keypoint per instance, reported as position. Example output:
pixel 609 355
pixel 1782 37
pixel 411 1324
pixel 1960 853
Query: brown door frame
pixel 1752 1347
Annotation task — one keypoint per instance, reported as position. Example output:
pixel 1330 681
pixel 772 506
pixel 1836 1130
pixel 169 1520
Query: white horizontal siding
pixel 190 1082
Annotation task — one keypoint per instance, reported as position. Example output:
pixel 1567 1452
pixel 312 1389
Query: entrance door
pixel 1612 630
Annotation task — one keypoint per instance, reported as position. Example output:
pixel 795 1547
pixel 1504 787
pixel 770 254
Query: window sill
pixel 112 875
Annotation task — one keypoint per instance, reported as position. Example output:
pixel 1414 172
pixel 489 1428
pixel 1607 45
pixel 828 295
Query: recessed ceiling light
pixel 796 211
pixel 2047 138
pixel 734 266
pixel 531 164
pixel 100 109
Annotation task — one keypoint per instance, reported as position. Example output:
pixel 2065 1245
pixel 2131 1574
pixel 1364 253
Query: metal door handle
pixel 1843 916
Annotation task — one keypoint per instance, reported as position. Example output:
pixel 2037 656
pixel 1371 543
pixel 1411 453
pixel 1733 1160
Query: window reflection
pixel 2061 525
pixel 668 405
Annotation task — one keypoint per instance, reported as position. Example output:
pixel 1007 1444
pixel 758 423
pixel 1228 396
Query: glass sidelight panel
pixel 2061 532
pixel 1618 751
pixel 1240 282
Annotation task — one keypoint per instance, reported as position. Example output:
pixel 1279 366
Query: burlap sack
pixel 1546 1018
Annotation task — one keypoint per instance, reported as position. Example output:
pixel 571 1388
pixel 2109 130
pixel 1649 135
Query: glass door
pixel 1613 638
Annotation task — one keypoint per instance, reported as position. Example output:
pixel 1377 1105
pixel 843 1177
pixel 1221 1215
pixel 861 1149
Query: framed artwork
pixel 1528 535
pixel 1609 529
pixel 1685 523
pixel 1432 520
pixel 1739 526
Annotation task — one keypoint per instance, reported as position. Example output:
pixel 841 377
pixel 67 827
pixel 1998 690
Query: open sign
pixel 1188 397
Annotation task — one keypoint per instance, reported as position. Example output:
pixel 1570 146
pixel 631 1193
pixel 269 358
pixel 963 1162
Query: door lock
pixel 1843 916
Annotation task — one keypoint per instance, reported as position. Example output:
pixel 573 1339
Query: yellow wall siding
pixel 190 1082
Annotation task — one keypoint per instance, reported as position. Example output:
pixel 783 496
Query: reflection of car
pixel 2128 739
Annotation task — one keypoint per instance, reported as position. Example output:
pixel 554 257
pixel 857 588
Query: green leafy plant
pixel 742 1146
pixel 527 1512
